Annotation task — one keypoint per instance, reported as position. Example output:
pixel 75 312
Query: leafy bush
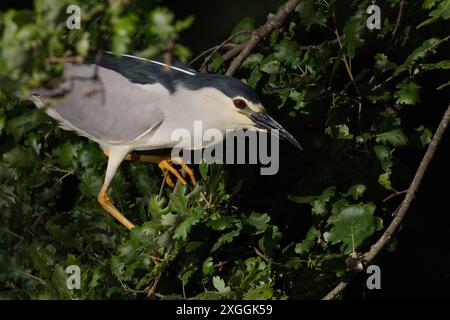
pixel 344 89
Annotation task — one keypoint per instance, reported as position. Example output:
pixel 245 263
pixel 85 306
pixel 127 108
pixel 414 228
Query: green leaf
pixel 352 225
pixel 271 66
pixel 428 4
pixel 407 93
pixel 91 183
pixel 227 237
pixel 157 207
pixel 203 169
pixel 19 157
pixel 356 191
pixel 187 272
pixel 419 53
pixel 252 60
pixel 306 245
pixel 24 123
pixel 182 230
pixel 344 132
pixel 444 64
pixel 246 23
pixel 83 45
pixel 317 202
pixel 385 180
pixel 220 223
pixel 442 11
pixel 382 62
pixel 193 246
pixel 383 153
pixel 311 14
pixel 184 24
pixel 287 51
pixel 264 292
pixel 394 137
pixel 66 154
pixel 353 30
pixel 123 29
pixel 425 135
pixel 259 221
pixel 219 284
pixel 255 76
pixel 217 61
pixel 208 266
pixel 160 21
pixel 179 200
pixel 117 267
pixel 169 219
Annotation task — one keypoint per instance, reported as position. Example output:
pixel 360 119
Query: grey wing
pixel 105 106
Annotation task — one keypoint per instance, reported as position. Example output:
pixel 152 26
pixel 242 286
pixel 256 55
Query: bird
pixel 128 104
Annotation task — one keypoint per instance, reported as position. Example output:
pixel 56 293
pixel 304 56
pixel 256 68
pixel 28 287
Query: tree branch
pixel 399 17
pixel 404 206
pixel 210 52
pixel 263 31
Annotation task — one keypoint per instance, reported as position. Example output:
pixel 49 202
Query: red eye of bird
pixel 239 103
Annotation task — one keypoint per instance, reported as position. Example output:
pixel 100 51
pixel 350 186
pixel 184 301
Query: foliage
pixel 342 88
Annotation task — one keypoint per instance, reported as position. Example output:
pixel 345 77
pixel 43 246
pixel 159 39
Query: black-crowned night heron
pixel 130 103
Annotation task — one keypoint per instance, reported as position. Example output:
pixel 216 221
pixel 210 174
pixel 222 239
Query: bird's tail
pixel 39 95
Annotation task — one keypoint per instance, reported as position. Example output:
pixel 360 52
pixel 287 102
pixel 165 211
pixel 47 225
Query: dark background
pixel 420 267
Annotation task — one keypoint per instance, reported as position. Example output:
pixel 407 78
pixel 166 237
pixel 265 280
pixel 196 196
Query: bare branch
pixel 263 31
pixel 337 290
pixel 410 194
pixel 404 206
pixel 399 17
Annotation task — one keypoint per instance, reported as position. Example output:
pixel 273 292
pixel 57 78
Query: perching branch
pixel 263 31
pixel 404 206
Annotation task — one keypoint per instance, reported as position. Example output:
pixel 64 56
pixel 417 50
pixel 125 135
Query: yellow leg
pixel 164 162
pixel 116 156
pixel 106 203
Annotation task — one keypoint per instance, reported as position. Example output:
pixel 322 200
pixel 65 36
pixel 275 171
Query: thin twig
pixel 369 256
pixel 262 255
pixel 210 52
pixel 62 60
pixel 347 62
pixel 395 194
pixel 151 290
pixel 263 31
pixel 399 18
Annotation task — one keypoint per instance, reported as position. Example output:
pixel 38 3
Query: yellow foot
pixel 166 167
pixel 165 163
pixel 106 203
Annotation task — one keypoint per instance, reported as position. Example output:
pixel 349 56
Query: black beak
pixel 264 121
